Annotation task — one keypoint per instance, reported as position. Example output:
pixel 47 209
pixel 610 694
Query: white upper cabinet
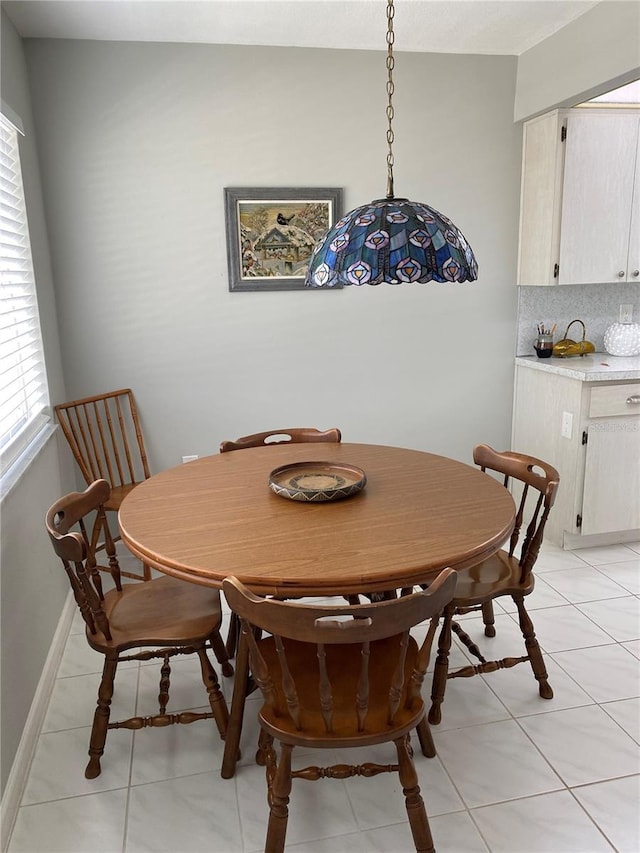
pixel 580 198
pixel 541 199
pixel 599 199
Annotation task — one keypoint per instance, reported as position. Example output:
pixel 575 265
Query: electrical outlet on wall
pixel 567 425
pixel 626 314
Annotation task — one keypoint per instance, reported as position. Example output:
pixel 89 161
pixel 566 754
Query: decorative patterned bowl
pixel 622 339
pixel 317 481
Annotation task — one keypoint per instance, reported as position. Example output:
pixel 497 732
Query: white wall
pixel 33 583
pixel 597 52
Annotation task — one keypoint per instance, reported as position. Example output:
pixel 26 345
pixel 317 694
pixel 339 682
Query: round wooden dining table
pixel 217 517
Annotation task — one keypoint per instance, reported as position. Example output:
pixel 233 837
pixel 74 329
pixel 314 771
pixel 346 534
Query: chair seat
pixel 499 575
pixel 343 665
pixel 162 611
pixel 118 494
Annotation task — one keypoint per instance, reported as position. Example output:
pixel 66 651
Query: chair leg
pixel 533 649
pixel 414 803
pixel 110 546
pixel 101 719
pixel 265 742
pixel 489 619
pixel 441 669
pixel 234 730
pixel 221 654
pixel 232 636
pixel 91 562
pixel 216 699
pixel 425 737
pixel 279 801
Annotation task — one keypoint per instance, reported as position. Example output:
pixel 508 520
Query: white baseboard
pixel 12 796
pixel 573 541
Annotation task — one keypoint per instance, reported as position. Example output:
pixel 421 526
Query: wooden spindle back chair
pixel 158 619
pixel 106 440
pixel 336 677
pixel 508 572
pixel 282 436
pixel 297 435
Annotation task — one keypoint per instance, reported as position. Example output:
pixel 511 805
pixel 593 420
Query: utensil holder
pixel 543 345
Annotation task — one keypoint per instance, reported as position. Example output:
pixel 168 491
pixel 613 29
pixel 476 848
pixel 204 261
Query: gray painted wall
pixel 33 584
pixel 137 142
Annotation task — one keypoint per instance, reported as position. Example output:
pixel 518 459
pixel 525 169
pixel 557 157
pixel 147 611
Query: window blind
pixel 24 396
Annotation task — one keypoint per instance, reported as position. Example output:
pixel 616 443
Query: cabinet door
pixel 597 198
pixel 611 498
pixel 633 263
pixel 540 195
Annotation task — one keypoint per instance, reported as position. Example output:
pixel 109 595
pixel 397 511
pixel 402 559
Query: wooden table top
pixel 217 516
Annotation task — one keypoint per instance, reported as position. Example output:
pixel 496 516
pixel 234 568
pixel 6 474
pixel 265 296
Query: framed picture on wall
pixel 271 233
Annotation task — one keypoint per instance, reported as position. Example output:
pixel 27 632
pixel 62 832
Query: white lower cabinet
pixel 590 431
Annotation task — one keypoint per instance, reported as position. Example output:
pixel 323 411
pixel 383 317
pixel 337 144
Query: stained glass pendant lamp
pixel 391 240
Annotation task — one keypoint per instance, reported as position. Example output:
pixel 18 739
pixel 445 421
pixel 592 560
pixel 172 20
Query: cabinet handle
pixel 634 400
pixel 621 274
pixel 635 273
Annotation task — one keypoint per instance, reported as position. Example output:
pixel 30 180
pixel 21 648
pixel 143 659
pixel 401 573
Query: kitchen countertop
pixel 599 367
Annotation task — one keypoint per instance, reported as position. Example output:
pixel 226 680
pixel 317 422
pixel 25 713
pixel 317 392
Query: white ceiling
pixel 507 27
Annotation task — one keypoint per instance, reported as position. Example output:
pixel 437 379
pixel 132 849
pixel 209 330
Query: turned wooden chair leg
pixel 216 699
pixel 232 636
pixel 489 619
pixel 265 743
pixel 414 803
pixel 279 802
pixel 220 651
pixel 234 730
pixel 109 544
pixel 101 719
pixel 441 669
pixel 533 649
pixel 426 738
pixel 92 562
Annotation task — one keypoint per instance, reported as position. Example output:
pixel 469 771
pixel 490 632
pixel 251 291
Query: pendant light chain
pixel 391 240
pixel 390 89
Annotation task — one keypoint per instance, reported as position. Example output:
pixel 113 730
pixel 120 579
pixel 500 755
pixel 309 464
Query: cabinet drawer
pixel 612 400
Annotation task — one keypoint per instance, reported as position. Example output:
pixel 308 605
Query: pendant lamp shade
pixel 391 241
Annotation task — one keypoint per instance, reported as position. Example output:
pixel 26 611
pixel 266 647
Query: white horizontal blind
pixel 24 396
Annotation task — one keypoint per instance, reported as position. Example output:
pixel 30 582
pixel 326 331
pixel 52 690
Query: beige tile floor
pixel 514 773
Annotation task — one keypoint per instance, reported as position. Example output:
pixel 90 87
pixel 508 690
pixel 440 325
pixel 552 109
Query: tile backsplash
pixel 597 305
